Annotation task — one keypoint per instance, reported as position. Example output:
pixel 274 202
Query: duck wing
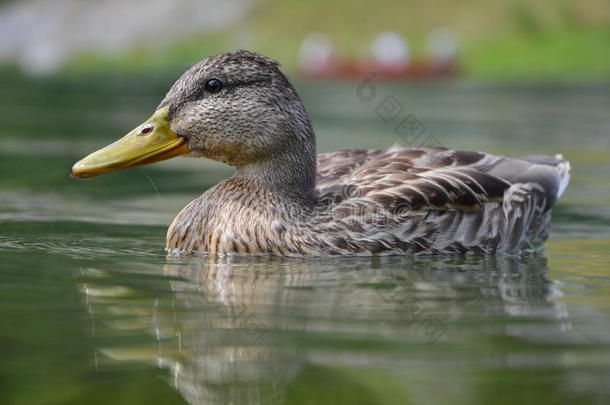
pixel 434 178
pixel 435 200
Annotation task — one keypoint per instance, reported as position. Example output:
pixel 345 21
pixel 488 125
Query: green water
pixel 93 312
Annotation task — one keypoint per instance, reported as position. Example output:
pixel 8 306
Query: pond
pixel 93 311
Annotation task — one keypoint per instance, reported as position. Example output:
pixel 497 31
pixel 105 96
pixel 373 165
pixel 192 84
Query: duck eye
pixel 213 85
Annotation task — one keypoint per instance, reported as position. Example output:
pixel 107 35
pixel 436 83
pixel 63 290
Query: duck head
pixel 237 108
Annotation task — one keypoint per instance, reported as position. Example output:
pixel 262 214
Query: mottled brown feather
pixel 451 209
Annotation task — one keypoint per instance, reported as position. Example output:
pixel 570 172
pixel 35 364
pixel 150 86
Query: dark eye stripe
pixel 202 91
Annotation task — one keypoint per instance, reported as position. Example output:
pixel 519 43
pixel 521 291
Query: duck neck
pixel 290 174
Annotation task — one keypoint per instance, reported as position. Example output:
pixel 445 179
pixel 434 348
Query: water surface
pixel 93 311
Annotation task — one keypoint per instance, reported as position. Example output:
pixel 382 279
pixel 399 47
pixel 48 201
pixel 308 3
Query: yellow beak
pixel 151 142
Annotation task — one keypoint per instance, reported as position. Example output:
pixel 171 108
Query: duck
pixel 284 199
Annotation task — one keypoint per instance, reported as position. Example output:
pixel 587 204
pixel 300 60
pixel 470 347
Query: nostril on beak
pixel 146 129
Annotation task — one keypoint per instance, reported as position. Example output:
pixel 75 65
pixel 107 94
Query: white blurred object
pixel 41 35
pixel 391 48
pixel 442 45
pixel 316 53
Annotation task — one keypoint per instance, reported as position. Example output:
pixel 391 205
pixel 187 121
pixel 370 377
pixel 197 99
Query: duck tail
pixel 563 167
pixel 561 170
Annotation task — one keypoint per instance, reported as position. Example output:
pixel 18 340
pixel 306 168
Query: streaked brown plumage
pixel 396 201
pixel 283 200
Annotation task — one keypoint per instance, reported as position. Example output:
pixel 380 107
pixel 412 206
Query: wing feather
pixel 400 176
pixel 435 200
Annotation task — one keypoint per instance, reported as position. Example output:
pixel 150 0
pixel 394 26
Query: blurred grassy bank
pixel 498 39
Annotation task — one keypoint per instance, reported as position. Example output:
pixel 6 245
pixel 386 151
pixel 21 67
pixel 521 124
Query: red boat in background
pixel 390 59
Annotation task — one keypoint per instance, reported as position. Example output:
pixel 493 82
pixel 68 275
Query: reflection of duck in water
pixel 240 109
pixel 251 328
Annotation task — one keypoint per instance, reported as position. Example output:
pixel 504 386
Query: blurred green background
pixel 546 39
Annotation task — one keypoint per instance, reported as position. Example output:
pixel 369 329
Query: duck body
pixel 240 109
pixel 383 202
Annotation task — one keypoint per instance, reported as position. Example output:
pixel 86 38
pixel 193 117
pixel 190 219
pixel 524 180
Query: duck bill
pixel 150 142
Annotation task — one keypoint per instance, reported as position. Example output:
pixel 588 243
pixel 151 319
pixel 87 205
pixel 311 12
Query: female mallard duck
pixel 238 108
